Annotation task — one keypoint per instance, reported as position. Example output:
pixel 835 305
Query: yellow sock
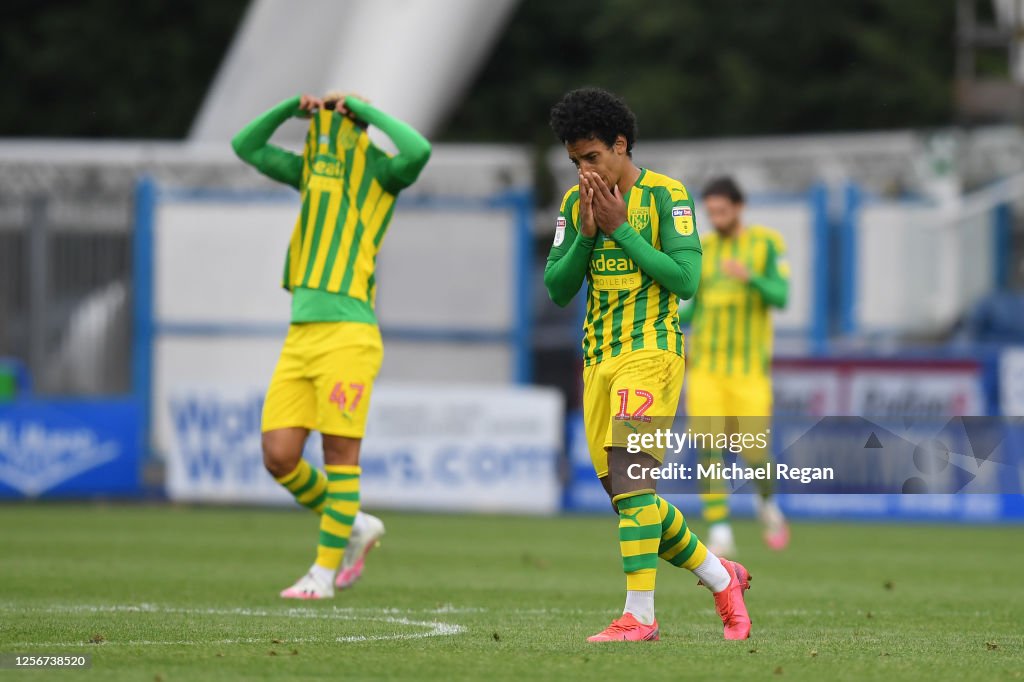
pixel 679 545
pixel 339 514
pixel 639 533
pixel 307 485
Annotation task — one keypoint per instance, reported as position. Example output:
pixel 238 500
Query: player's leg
pixel 597 414
pixel 282 457
pixel 677 544
pixel 289 412
pixel 344 361
pixel 367 529
pixel 341 462
pixel 706 407
pixel 753 402
pixel 638 384
pixel 633 494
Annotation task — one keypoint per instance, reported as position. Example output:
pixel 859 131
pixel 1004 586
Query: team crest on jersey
pixel 640 218
pixel 349 138
pixel 682 218
pixel 323 139
pixel 559 230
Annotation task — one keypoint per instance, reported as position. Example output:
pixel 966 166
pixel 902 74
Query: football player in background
pixel 745 276
pixel 629 233
pixel 333 351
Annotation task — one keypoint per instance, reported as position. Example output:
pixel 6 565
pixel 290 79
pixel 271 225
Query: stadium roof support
pixel 413 59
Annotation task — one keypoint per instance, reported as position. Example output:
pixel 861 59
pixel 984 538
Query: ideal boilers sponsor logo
pixel 35 457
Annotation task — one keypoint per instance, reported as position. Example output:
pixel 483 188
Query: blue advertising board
pixel 70 448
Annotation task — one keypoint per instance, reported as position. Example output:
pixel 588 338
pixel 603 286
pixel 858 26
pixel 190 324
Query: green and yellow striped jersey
pixel 345 212
pixel 731 331
pixel 626 309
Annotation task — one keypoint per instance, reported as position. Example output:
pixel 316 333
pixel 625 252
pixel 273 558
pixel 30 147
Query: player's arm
pixel 773 285
pixel 401 170
pixel 252 144
pixel 569 257
pixel 677 265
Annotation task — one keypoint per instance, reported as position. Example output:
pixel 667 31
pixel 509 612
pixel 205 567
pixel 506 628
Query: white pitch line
pixel 334 612
pixel 433 628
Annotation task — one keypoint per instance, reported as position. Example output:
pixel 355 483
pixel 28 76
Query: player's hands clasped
pixel 336 100
pixel 609 207
pixel 588 225
pixel 736 270
pixel 308 104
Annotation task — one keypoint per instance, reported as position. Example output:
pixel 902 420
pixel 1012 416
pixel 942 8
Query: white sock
pixel 359 525
pixel 712 573
pixel 720 535
pixel 768 512
pixel 641 604
pixel 323 575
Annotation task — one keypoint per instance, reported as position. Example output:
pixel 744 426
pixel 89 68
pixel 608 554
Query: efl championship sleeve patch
pixel 682 218
pixel 559 230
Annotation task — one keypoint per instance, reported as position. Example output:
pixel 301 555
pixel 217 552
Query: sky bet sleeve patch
pixel 682 218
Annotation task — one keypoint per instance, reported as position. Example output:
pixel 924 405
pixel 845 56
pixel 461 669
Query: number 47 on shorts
pixel 340 395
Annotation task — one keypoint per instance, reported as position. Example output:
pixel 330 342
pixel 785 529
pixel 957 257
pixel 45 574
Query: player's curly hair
pixel 589 113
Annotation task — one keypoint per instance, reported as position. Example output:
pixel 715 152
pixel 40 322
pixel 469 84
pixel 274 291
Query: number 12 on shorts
pixel 339 396
pixel 640 413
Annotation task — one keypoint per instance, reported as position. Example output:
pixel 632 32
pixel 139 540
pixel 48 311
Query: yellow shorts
pixel 636 392
pixel 714 395
pixel 324 378
pixel 733 405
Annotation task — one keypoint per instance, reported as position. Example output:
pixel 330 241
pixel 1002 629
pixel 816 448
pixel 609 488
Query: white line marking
pixel 432 628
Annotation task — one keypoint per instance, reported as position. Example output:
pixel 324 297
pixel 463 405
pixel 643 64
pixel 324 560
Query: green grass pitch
pixel 167 593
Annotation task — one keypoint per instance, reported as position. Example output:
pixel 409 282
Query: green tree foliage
pixel 105 68
pixel 697 68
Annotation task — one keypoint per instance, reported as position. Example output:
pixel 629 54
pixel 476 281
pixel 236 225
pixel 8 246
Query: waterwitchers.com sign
pixel 426 447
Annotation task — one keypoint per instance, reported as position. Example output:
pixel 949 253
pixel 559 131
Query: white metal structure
pixel 413 58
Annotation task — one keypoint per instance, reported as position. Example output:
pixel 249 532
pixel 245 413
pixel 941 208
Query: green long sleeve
pixel 251 145
pixel 774 290
pixel 567 268
pixel 773 285
pixel 397 172
pixel 676 269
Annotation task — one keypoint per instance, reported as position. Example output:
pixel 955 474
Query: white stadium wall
pixel 920 266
